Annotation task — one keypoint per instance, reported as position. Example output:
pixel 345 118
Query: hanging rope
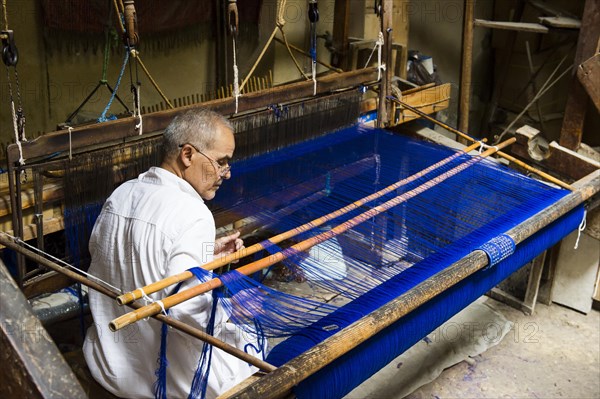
pixel 10 57
pixel 313 17
pixel 103 117
pixel 580 229
pixel 378 45
pixel 135 54
pixel 232 15
pixel 280 22
pixel 137 113
pixel 545 87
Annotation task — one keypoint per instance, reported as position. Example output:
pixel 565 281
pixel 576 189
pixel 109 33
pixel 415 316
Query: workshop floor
pixel 553 354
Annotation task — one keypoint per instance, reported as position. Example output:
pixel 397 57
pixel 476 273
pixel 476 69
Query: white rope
pixel 60 261
pixel 162 306
pixel 380 66
pixel 483 146
pixel 145 297
pixel 314 78
pixel 582 227
pixel 16 129
pixel 236 82
pixel 70 145
pixel 137 109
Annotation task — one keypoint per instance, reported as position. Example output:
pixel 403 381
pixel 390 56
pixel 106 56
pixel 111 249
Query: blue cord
pixel 103 117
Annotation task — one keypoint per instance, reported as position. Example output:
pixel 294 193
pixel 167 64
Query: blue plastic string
pixel 103 117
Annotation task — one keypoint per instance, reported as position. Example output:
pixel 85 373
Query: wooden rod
pixel 182 296
pixel 166 282
pixel 280 382
pixel 186 328
pixel 466 66
pixel 504 155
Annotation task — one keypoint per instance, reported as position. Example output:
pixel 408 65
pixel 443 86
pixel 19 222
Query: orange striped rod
pixel 182 296
pixel 139 293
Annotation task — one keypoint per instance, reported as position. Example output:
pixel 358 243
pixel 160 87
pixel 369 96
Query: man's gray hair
pixel 197 127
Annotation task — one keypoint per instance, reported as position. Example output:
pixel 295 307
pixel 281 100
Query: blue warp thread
pixel 497 249
pixel 200 380
pixel 350 370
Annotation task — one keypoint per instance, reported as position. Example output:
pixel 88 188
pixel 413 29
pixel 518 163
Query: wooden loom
pixel 278 382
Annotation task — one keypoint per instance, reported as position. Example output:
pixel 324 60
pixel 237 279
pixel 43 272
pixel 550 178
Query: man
pixel 152 227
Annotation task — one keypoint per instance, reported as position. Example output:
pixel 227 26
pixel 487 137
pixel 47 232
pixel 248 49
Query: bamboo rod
pixel 280 382
pixel 192 331
pixel 262 53
pixel 258 265
pixel 504 155
pixel 164 283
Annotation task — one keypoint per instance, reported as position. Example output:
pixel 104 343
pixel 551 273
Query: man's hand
pixel 228 245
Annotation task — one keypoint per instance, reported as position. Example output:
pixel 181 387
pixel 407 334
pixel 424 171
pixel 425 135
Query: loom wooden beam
pixel 577 101
pixel 588 74
pixel 341 21
pixel 121 129
pixel 466 67
pixel 32 365
pixel 385 83
pixel 280 382
pixel 186 328
pixel 557 159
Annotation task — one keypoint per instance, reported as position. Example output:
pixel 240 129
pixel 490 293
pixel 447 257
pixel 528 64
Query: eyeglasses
pixel 222 167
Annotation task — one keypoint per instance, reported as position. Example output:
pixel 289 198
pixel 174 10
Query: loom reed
pixel 173 300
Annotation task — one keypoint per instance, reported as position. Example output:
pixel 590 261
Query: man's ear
pixel 185 155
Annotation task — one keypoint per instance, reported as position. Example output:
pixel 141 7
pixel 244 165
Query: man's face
pixel 209 167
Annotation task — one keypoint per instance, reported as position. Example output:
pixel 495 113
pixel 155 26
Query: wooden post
pixel 465 69
pixel 32 366
pixel 385 88
pixel 576 108
pixel 340 33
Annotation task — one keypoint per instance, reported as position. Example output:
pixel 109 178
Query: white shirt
pixel 152 227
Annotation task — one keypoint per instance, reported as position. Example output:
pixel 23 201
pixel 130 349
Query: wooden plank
pixel 576 108
pixel 588 74
pixel 341 21
pixel 32 365
pixel 514 26
pixel 429 101
pixel 560 22
pixel 533 283
pixel 51 225
pixel 51 192
pixel 46 283
pixel 560 160
pixel 576 271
